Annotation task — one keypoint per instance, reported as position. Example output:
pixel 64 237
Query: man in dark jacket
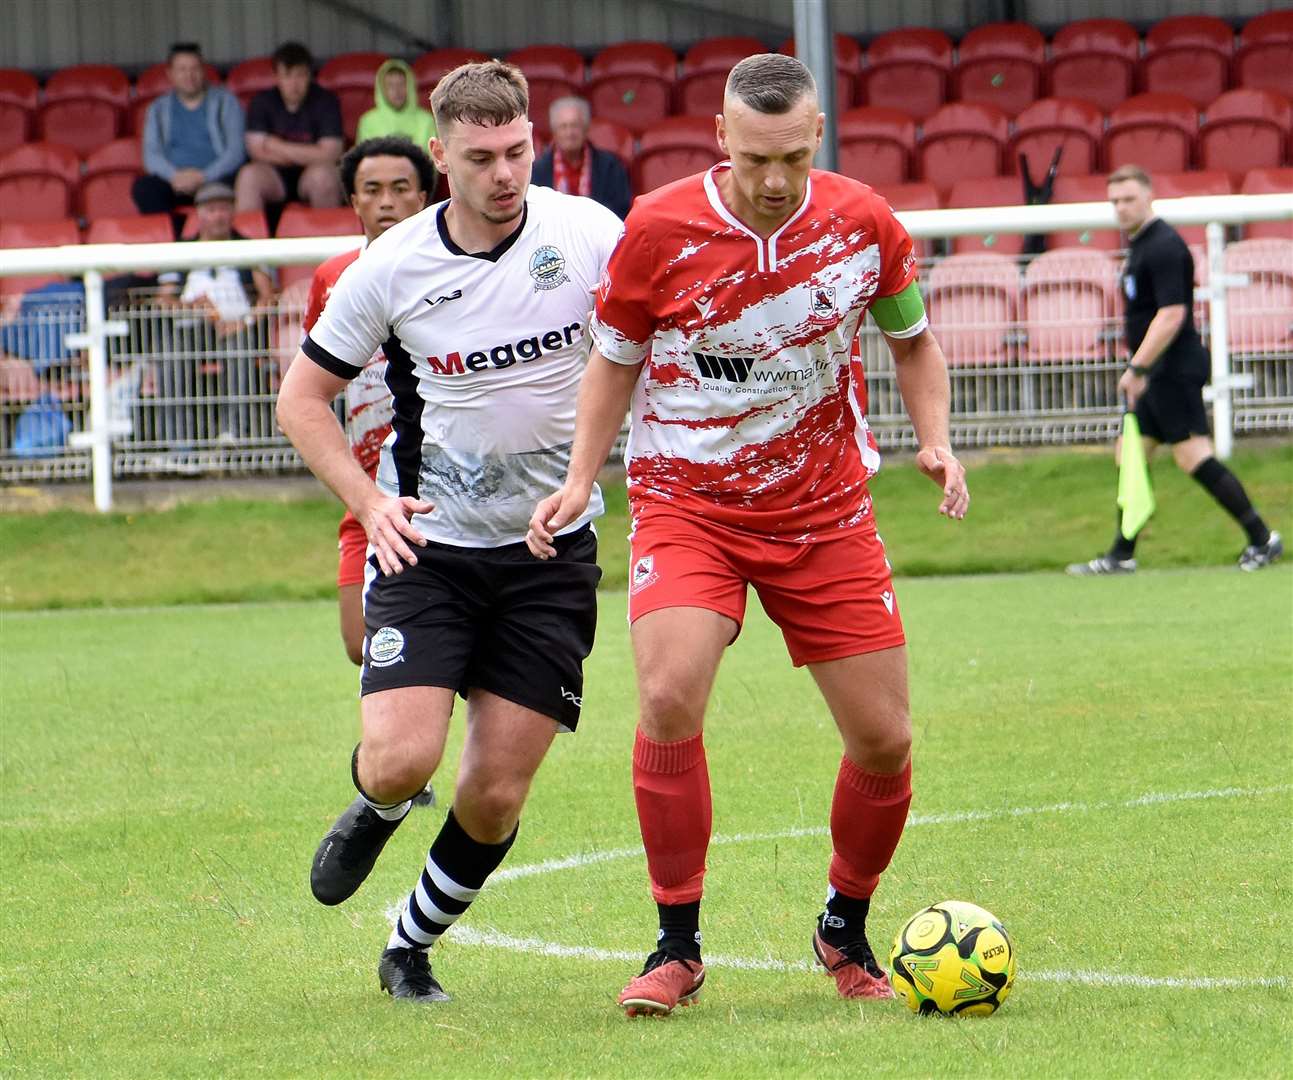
pixel 575 166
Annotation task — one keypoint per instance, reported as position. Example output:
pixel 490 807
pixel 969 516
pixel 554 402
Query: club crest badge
pixel 548 268
pixel 823 302
pixel 386 647
pixel 643 573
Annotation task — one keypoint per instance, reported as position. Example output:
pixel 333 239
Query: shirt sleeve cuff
pixel 327 361
pixel 615 346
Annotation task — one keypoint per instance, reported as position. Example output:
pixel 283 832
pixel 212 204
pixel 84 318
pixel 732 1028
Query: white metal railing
pixel 1017 397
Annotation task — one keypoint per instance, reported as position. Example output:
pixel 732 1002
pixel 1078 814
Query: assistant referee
pixel 1169 366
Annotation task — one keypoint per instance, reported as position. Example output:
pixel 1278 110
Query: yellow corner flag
pixel 1135 495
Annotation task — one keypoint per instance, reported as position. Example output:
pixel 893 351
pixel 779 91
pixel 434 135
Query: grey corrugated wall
pixel 41 35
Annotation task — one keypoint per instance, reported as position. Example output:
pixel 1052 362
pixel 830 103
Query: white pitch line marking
pixel 466 935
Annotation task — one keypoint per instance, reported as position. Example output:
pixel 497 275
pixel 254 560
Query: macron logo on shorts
pixel 887 597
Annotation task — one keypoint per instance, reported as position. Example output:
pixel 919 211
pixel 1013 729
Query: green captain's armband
pixel 901 315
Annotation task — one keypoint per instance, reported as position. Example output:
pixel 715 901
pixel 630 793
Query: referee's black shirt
pixel 1160 273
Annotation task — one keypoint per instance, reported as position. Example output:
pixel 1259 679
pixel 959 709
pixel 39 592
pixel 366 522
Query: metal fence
pixel 1034 348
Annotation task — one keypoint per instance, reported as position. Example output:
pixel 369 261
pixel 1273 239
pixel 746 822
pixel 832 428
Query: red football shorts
pixel 831 599
pixel 352 548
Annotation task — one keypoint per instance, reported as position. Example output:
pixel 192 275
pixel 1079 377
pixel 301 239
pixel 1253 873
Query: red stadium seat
pixel 676 147
pixel 1095 60
pixel 432 66
pixel 1268 182
pixel 543 92
pixel 908 70
pixel 1069 304
pixel 1000 64
pixel 154 81
pixel 962 141
pixel 1261 312
pixel 1075 125
pixel 249 224
pixel 298 220
pixel 848 68
pixel 249 78
pixel 1272 26
pixel 1104 80
pixel 110 173
pixel 34 234
pixel 37 181
pixel 636 102
pixel 876 145
pixel 1199 31
pixel 1182 185
pixel 1199 74
pixel 550 62
pixel 19 88
pixel 704 72
pixel 990 191
pixel 635 58
pixel 1264 65
pixel 354 103
pixel 103 82
pixel 1083 189
pixel 1154 131
pixel 84 124
pixel 15 125
pixel 1245 129
pixel 608 135
pixel 1113 37
pixel 140 229
pixel 914 196
pixel 351 71
pixel 973 300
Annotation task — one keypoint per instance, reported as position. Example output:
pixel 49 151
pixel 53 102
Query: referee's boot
pixel 405 974
pixel 347 854
pixel 1101 565
pixel 1256 556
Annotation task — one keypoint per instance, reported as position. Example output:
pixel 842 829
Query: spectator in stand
pixel 396 110
pixel 294 138
pixel 219 327
pixel 575 166
pixel 192 136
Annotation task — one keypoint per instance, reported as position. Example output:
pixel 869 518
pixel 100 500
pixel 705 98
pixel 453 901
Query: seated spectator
pixel 192 135
pixel 396 110
pixel 575 166
pixel 220 331
pixel 294 138
pixel 39 374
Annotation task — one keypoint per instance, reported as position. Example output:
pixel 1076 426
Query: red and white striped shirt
pixel 751 408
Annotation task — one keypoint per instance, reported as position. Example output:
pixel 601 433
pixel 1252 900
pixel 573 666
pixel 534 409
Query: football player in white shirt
pixel 481 305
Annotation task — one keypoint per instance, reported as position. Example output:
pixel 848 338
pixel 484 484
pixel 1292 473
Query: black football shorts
pixel 1171 410
pixel 495 619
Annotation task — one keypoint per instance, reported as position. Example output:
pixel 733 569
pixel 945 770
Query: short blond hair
pixel 490 93
pixel 1130 172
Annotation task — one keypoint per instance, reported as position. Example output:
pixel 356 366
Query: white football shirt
pixel 484 351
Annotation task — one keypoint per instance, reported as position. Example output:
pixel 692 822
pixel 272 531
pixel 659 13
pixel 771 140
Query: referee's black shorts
pixel 495 619
pixel 1171 410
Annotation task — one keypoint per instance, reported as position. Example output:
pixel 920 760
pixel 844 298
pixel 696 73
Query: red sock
pixel 671 787
pixel 867 816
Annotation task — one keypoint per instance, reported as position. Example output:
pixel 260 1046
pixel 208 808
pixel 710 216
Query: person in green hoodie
pixel 396 110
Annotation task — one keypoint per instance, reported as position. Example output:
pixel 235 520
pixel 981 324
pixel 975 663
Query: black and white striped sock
pixel 455 871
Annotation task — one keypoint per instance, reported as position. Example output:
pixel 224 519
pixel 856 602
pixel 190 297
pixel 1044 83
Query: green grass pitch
pixel 1103 764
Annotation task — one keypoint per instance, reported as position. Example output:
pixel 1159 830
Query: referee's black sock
pixel 1224 486
pixel 1122 549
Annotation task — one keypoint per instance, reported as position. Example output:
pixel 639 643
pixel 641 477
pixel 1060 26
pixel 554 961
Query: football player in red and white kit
pixel 727 320
pixel 386 180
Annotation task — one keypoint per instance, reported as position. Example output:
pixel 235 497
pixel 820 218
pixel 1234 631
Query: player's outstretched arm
pixel 305 414
pixel 604 394
pixel 922 382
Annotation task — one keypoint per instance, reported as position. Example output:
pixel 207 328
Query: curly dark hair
pixel 387 146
